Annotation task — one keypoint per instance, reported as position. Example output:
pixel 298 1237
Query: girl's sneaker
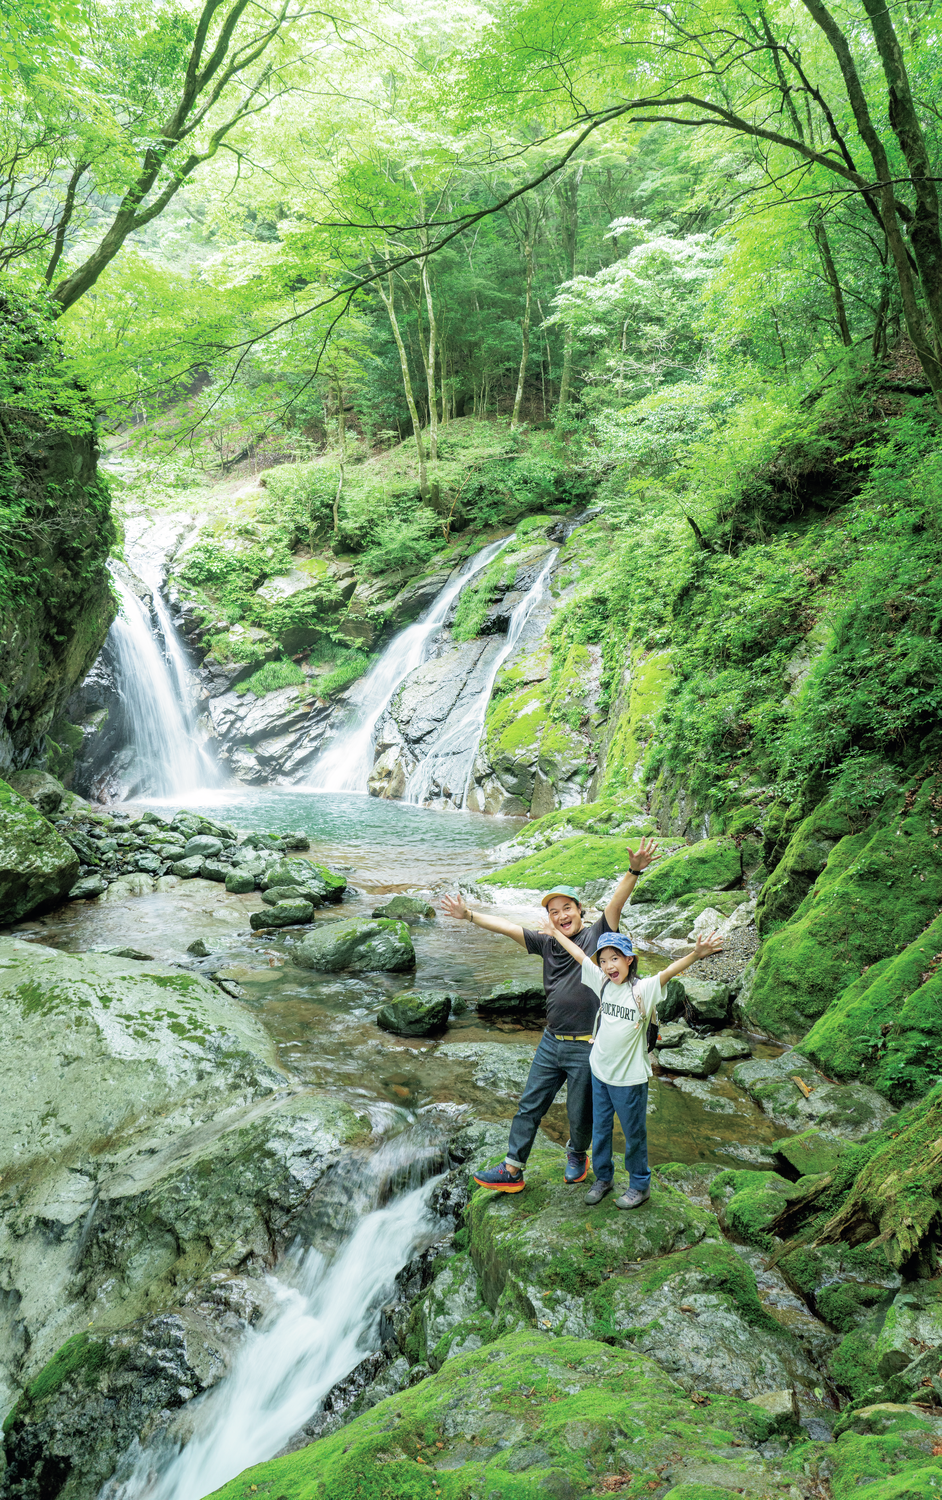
pixel 632 1199
pixel 597 1191
pixel 501 1179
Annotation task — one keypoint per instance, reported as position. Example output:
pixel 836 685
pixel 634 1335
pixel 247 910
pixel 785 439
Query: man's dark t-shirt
pixel 571 1007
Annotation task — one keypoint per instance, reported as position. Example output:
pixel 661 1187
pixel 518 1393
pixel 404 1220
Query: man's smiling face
pixel 564 913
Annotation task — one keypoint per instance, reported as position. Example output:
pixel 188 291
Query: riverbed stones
pixel 695 1058
pixel 415 1015
pixel 215 869
pixel 673 1034
pixel 731 1047
pixel 405 909
pixel 240 882
pixel 497 1066
pixel 188 869
pixel 129 886
pixel 357 945
pixel 284 913
pixel 277 893
pixel 37 867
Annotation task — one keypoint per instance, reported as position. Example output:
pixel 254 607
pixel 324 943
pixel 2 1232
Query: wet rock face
pixel 260 739
pixel 850 1111
pixel 37 867
pixel 148 1141
pixel 415 1015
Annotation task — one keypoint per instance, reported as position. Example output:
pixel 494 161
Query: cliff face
pixel 56 530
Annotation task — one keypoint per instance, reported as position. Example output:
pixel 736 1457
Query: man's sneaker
pixel 577 1166
pixel 632 1199
pixel 597 1192
pixel 501 1179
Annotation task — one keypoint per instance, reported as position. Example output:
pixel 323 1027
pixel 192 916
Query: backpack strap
pixel 598 1014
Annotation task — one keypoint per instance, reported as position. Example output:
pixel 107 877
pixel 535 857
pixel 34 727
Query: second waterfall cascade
pixel 445 772
pixel 346 763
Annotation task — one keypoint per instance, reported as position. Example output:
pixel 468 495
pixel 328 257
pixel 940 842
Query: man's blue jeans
pixel 630 1103
pixel 554 1064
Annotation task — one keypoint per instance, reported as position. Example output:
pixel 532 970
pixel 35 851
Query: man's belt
pixel 565 1037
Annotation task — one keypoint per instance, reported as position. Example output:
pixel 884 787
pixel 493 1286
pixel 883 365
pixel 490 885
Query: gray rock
pixel 673 1034
pixel 214 869
pixel 914 1321
pixel 453 1305
pixel 697 1059
pixel 203 845
pixel 415 1015
pixel 199 949
pixel 37 867
pixel 730 1047
pixel 405 909
pixel 299 875
pixel 514 1000
pixel 275 893
pixel 128 886
pixel 188 868
pixel 88 887
pixel 240 882
pixel 702 1000
pixel 150 863
pixel 282 914
pixel 134 953
pixel 357 945
pixel 171 852
pixel 42 790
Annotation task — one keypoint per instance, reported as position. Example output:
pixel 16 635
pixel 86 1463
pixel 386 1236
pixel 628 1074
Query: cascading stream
pixel 446 770
pixel 327 1319
pixel 346 764
pixel 168 759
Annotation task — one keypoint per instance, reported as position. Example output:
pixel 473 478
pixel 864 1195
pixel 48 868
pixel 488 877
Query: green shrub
pixel 270 677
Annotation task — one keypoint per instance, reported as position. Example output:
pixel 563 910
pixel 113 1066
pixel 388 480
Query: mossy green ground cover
pixel 710 865
pixel 879 890
pixel 573 861
pixel 524 1418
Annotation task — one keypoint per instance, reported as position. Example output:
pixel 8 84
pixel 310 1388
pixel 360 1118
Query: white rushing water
pixel 445 773
pixel 325 1322
pixel 168 758
pixel 348 760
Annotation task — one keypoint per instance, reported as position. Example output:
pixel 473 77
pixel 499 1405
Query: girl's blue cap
pixel 615 940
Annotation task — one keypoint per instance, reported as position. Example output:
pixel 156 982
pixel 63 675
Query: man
pixel 571 1008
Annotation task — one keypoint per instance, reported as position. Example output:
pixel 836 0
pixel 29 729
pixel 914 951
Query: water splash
pixel 445 773
pixel 167 758
pixel 326 1319
pixel 346 763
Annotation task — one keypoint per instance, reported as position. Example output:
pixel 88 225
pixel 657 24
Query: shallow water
pixel 323 1026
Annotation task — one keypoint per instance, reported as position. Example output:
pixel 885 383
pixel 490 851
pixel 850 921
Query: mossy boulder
pixel 648 682
pixel 879 890
pixel 850 1111
pixel 542 1248
pixel 693 1058
pixel 573 861
pixel 525 1418
pixel 42 790
pixel 357 945
pixel 287 911
pixel 37 867
pixel 747 1202
pixel 415 1015
pixel 890 1448
pixel 805 856
pixel 698 1313
pixel 514 1000
pixel 710 865
pixel 913 1323
pixel 811 1151
pixel 884 1027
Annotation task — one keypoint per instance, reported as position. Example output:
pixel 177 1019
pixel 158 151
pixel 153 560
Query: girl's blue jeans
pixel 630 1104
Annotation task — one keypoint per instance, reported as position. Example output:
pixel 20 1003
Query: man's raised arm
pixel 636 863
pixel 455 906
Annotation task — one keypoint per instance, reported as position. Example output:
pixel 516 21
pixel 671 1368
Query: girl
pixel 619 1056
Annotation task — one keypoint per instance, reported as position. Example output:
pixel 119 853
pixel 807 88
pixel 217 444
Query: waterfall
pixel 346 764
pixel 167 758
pixel 326 1319
pixel 446 770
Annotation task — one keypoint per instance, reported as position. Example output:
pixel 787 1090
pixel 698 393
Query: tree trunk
pixel 830 271
pixel 430 364
pixel 389 302
pixel 525 331
pixel 568 195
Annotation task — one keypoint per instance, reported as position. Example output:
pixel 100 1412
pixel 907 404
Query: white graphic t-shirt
pixel 619 1053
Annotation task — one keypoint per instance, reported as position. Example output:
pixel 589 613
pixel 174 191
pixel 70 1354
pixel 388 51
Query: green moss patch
pixel 573 861
pixel 710 865
pixel 525 1418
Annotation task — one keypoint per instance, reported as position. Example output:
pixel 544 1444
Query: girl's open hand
pixel 454 906
pixel 707 944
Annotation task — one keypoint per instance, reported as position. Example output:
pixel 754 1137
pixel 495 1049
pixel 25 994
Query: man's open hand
pixel 454 906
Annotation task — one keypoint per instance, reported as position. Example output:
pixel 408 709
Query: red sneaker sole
pixel 500 1187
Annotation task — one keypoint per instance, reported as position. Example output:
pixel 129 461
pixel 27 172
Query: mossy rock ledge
pixel 37 867
pixel 357 945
